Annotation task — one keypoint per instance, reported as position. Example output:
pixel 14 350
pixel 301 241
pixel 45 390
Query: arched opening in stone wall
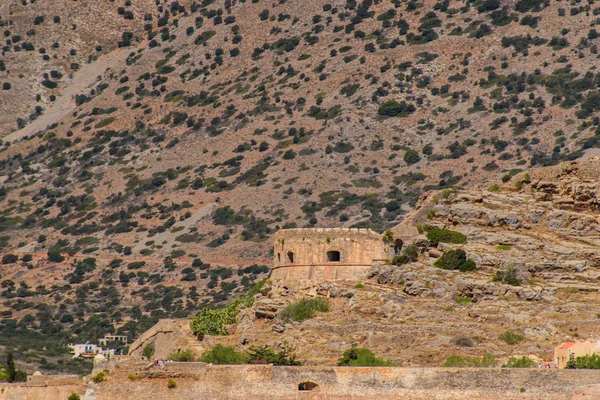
pixel 333 256
pixel 398 243
pixel 279 257
pixel 290 257
pixel 307 386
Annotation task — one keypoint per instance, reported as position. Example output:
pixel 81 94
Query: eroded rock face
pixel 527 243
pixel 268 308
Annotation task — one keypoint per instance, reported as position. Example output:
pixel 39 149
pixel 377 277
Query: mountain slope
pixel 198 129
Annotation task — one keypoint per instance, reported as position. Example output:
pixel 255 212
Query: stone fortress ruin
pixel 328 254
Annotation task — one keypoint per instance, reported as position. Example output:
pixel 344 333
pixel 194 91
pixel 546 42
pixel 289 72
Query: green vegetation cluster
pixel 303 309
pixel 485 361
pixel 362 357
pixel 220 354
pixel 212 321
pixel 455 260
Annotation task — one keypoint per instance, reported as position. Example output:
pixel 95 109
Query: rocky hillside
pixel 534 244
pixel 144 140
pixel 216 106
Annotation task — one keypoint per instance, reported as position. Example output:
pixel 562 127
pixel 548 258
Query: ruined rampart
pixel 43 387
pixel 257 382
pixel 333 254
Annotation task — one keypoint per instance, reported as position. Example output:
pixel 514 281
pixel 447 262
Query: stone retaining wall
pixel 197 380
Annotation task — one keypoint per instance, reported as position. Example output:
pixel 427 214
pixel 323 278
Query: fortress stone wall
pixel 326 255
pixel 43 387
pixel 257 382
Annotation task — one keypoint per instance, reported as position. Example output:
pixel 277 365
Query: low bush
pixel 148 350
pixel 442 235
pixel 266 355
pixel 55 256
pixel 515 362
pixel 508 276
pixel 392 108
pixel 485 361
pixel 304 309
pixel 186 355
pixel 220 354
pixel 9 259
pixel 510 337
pixel 100 377
pixel 171 384
pixel 361 357
pixel 455 260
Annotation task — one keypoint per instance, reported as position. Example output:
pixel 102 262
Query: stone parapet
pixel 249 382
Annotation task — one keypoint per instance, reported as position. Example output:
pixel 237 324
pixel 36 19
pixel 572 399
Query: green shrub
pixel 171 384
pixel 409 254
pixel 443 235
pixel 485 361
pixel 212 321
pixel 509 276
pixel 411 157
pixel 392 108
pixel 148 350
pixel 510 337
pixel 454 361
pixel 9 259
pixel 266 355
pixel 186 355
pixel 220 354
pixel 591 361
pixel 55 256
pixel 105 122
pixel 361 357
pixel 99 377
pixel 304 309
pixel 523 362
pixel 455 260
pixel 74 396
pixel 463 300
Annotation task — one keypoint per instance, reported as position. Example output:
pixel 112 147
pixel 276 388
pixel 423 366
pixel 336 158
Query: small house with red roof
pixel 563 352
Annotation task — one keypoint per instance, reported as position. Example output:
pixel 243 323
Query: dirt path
pixel 81 83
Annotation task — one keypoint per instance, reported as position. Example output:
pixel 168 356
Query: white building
pixel 113 338
pixel 89 350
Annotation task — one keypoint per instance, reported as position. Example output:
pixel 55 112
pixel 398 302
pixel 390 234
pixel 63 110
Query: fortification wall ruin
pixel 332 254
pixel 257 382
pixel 43 387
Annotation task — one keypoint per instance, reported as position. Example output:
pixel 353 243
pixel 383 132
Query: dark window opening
pixel 398 243
pixel 290 257
pixel 306 386
pixel 279 257
pixel 333 256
